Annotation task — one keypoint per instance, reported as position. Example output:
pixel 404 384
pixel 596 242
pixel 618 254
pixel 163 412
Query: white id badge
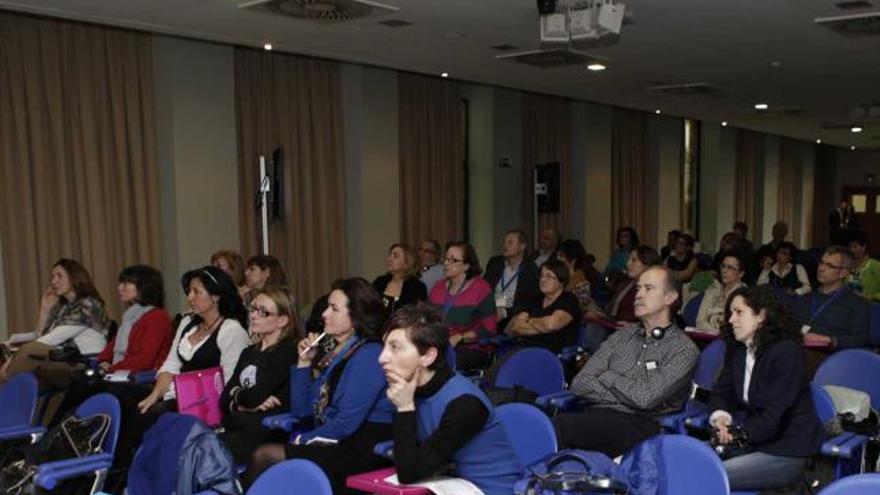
pixel 805 329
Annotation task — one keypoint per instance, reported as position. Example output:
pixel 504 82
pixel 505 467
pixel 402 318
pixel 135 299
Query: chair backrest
pixel 529 430
pixel 692 309
pixel 823 403
pixel 860 484
pixel 299 474
pixel 536 369
pixel 710 363
pixel 854 368
pixel 19 399
pixel 103 403
pixel 874 325
pixel 692 467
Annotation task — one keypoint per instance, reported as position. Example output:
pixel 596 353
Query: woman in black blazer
pixel 400 285
pixel 764 382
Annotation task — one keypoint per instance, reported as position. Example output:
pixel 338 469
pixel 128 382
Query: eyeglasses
pixel 830 266
pixel 262 312
pixel 451 260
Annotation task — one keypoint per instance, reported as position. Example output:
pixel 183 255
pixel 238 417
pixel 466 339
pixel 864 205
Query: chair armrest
pixel 559 401
pixel 844 445
pixel 570 353
pixel 50 473
pixel 144 376
pixel 13 432
pixel 384 449
pixel 284 422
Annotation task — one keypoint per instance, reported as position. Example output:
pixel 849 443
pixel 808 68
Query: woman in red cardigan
pixel 143 338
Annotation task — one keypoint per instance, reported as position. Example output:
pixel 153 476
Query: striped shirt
pixel 472 309
pixel 639 375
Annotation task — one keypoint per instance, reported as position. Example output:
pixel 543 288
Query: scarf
pixel 129 318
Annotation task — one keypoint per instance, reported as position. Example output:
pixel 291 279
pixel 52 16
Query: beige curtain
pixel 77 155
pixel 431 159
pixel 789 186
pixel 747 187
pixel 294 102
pixel 546 138
pixel 629 159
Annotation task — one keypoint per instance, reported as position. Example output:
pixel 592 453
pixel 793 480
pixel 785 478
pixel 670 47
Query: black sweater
pixel 259 374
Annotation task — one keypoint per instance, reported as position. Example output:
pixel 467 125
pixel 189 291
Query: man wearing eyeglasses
pixel 429 259
pixel 514 279
pixel 834 315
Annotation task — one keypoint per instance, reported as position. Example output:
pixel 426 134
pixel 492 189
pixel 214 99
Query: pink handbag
pixel 198 394
pixel 374 482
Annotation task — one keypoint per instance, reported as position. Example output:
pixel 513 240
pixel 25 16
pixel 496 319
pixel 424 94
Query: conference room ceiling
pixel 748 51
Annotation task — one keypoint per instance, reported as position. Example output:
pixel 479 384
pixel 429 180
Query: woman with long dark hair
pixel 72 315
pixel 340 391
pixel 765 380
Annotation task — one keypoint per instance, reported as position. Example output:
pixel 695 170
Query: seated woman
pixel 400 285
pixel 232 263
pixel 341 394
pixel 553 323
pixel 442 418
pixel 260 385
pixel 626 240
pixel 573 254
pixel 71 314
pixel 710 316
pixel 143 338
pixel 212 335
pixel 262 271
pixel 764 377
pixel 683 261
pixel 468 306
pixel 785 276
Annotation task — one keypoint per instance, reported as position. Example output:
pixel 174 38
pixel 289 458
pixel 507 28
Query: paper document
pixel 322 441
pixel 442 485
pixel 20 338
pixel 117 376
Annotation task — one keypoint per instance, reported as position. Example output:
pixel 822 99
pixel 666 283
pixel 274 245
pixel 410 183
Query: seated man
pixel 833 314
pixel 514 280
pixel 548 245
pixel 639 373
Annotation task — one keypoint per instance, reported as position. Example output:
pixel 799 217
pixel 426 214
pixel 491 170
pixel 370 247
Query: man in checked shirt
pixel 639 373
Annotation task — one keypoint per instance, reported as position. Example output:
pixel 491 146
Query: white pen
pixel 313 344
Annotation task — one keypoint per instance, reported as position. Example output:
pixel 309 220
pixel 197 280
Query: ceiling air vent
pixel 685 89
pixel 557 57
pixel 866 24
pixel 503 47
pixel 395 23
pixel 853 5
pixel 781 110
pixel 323 11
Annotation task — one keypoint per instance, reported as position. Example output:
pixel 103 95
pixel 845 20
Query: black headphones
pixel 659 332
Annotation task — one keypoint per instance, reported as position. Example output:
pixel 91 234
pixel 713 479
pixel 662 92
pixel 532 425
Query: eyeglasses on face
pixel 830 266
pixel 450 260
pixel 262 312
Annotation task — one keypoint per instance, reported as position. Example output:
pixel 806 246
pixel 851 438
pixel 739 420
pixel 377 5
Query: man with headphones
pixel 639 373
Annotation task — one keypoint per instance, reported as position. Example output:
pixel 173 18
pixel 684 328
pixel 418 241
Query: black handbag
pixel 72 438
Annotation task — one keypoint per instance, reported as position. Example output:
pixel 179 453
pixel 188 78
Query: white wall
pixel 372 166
pixel 197 156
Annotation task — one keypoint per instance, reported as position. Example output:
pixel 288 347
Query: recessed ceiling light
pixel 855 129
pixel 596 67
pixel 761 106
pixel 818 141
pixel 657 112
pixel 267 46
pixel 852 148
pixel 775 63
pixel 724 124
pixel 444 74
